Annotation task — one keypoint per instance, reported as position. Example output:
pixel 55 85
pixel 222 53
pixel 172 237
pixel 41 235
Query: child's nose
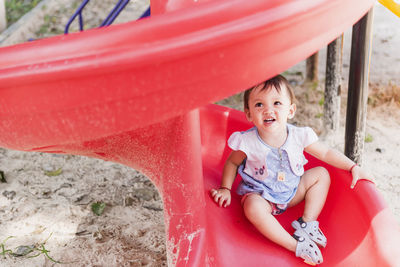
pixel 267 109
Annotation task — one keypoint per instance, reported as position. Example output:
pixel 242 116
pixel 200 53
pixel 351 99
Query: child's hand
pixel 221 196
pixel 358 173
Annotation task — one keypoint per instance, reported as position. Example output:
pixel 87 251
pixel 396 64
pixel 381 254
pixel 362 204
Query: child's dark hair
pixel 278 82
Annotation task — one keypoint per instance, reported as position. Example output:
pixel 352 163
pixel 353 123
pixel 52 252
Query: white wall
pixel 3 21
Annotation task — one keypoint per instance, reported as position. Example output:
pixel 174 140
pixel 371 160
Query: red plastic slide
pixel 130 93
pixel 360 228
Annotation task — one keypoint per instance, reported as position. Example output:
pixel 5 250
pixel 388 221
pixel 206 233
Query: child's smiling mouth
pixel 270 120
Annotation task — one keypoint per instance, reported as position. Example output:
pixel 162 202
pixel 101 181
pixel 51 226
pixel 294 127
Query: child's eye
pixel 277 103
pixel 258 105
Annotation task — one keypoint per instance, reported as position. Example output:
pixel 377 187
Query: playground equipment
pixel 121 4
pixel 392 5
pixel 131 94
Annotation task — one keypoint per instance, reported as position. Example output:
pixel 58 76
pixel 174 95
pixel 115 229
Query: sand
pixel 37 208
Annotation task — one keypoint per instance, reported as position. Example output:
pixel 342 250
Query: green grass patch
pixel 26 250
pixel 369 138
pixel 54 172
pixel 98 208
pixel 15 9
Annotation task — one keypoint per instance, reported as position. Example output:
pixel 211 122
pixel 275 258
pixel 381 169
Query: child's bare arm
pixel 338 160
pixel 222 195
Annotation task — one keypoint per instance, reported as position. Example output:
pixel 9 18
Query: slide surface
pixel 359 226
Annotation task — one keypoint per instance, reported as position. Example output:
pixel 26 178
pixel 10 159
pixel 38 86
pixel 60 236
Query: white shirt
pixel 264 163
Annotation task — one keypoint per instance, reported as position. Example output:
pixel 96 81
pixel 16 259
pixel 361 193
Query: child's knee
pixel 323 175
pixel 315 176
pixel 254 206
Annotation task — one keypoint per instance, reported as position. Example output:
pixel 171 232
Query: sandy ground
pixel 37 208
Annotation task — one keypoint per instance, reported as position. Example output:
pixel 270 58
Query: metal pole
pixel 358 88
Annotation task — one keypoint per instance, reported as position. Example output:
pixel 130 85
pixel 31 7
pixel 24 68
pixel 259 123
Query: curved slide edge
pixel 89 85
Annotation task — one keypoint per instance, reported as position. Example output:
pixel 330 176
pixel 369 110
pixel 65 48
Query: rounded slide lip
pixel 93 84
pixel 167 36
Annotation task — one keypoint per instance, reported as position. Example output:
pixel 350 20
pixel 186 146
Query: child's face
pixel 269 109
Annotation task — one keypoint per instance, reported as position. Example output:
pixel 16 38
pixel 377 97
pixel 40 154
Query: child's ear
pixel 292 111
pixel 247 112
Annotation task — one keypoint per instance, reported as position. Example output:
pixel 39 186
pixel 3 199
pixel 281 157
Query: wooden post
pixel 333 85
pixel 3 20
pixel 358 87
pixel 312 68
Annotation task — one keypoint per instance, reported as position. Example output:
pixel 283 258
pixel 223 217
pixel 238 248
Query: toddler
pixel 269 157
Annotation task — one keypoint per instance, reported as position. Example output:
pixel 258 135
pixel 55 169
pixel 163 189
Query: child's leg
pixel 313 188
pixel 258 212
